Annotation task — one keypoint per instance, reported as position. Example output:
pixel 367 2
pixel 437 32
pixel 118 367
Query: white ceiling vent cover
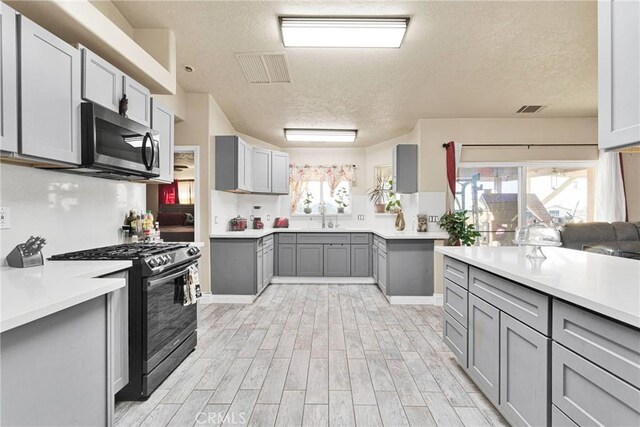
pixel 265 67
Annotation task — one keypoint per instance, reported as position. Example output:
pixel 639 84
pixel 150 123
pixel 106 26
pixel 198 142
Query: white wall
pixel 72 212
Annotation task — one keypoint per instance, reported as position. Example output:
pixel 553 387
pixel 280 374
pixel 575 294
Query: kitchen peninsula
pixel 400 262
pixel 549 342
pixel 60 324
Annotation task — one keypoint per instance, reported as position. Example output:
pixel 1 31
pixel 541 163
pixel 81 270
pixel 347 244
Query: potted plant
pixel 395 206
pixel 379 193
pixel 460 232
pixel 341 200
pixel 308 199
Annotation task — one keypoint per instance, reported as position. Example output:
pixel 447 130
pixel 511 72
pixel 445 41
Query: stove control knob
pixel 193 251
pixel 152 263
pixel 167 259
pixel 160 260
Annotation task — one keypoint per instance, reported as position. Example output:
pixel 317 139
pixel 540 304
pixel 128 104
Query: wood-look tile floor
pixel 312 355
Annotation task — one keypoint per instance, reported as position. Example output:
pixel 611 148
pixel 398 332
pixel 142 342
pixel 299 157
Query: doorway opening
pixel 175 205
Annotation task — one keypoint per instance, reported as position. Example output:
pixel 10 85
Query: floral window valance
pixel 326 173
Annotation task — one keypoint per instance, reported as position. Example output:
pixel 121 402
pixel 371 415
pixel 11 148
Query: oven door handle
pixel 152 283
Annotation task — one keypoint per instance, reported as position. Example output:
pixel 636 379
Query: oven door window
pixel 167 321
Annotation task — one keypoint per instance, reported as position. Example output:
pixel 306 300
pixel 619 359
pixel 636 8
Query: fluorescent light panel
pixel 343 32
pixel 320 135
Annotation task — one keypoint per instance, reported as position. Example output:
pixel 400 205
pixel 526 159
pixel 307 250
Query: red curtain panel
pixel 168 194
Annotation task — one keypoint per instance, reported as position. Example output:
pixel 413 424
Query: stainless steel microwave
pixel 116 145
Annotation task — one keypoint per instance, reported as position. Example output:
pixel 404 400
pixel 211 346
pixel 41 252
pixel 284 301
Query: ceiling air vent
pixel 530 108
pixel 265 67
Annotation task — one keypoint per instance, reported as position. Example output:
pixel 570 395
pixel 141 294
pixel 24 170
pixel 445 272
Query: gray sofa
pixel 616 238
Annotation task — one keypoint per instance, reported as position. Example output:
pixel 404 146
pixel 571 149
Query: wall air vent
pixel 530 108
pixel 265 67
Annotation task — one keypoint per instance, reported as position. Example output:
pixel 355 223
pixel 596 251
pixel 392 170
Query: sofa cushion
pixel 574 236
pixel 171 218
pixel 625 231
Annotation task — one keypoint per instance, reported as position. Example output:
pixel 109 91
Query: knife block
pixel 17 258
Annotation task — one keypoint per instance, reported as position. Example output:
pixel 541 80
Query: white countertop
pixel 605 284
pixel 385 234
pixel 28 294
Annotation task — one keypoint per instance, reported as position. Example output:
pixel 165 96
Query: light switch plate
pixel 5 218
pixel 434 218
pixel 361 217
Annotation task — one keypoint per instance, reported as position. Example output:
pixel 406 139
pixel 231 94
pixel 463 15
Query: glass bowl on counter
pixel 535 236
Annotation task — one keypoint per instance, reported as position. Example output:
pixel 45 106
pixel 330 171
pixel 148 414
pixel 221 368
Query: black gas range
pixel 161 332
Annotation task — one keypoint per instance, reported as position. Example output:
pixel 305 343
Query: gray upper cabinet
pixel 360 257
pixel 101 81
pixel 279 172
pixel 9 82
pixel 287 259
pixel 139 101
pixel 618 71
pixel 484 339
pixel 162 121
pixel 337 260
pixel 50 80
pixel 309 260
pixel 524 373
pixel 233 164
pixel 261 169
pixel 405 168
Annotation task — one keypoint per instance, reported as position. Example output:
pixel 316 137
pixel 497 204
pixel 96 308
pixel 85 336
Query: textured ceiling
pixel 458 59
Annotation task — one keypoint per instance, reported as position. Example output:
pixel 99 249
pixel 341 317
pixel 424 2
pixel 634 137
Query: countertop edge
pixel 429 235
pixel 605 310
pixel 96 286
pixel 57 306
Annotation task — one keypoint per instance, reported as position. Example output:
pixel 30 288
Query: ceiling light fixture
pixel 343 32
pixel 320 135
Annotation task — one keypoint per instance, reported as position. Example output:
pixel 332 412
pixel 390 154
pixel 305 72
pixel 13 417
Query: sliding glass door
pixel 500 197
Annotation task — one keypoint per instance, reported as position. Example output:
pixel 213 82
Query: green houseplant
pixel 460 232
pixel 308 199
pixel 341 200
pixel 379 193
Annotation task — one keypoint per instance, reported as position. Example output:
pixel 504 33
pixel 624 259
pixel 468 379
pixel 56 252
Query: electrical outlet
pixel 361 217
pixel 215 219
pixel 434 218
pixel 5 218
pixel 268 217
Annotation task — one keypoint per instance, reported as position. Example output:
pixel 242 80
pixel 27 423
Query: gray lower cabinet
pixel 260 271
pixel 287 259
pixel 374 263
pixel 559 419
pixel 50 81
pixel 524 373
pixel 484 348
pixel 310 260
pixel 337 260
pixel 455 301
pixel 119 324
pixel 234 266
pixel 588 394
pixel 360 257
pixel 455 336
pixel 9 82
pixel 383 277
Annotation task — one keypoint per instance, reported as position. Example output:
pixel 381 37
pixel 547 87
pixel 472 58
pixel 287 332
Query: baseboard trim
pixel 227 299
pixel 437 300
pixel 412 300
pixel 282 280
